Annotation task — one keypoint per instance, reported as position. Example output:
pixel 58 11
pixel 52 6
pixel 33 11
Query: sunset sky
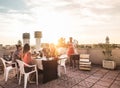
pixel 88 21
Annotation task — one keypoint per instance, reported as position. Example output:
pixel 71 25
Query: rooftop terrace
pixel 75 78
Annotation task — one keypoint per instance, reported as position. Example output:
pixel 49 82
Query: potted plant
pixel 108 62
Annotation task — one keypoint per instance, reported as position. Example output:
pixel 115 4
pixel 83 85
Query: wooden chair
pixel 84 62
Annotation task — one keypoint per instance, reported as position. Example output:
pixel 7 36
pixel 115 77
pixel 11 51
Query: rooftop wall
pixel 96 55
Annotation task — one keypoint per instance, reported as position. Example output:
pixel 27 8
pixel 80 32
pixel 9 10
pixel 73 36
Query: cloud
pixel 97 9
pixel 13 4
pixel 11 13
pixel 80 17
pixel 15 20
pixel 85 12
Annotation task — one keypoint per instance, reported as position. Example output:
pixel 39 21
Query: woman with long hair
pixel 27 56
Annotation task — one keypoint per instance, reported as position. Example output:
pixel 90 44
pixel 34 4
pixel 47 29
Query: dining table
pixel 49 68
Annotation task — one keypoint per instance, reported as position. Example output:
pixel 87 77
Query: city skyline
pixel 88 21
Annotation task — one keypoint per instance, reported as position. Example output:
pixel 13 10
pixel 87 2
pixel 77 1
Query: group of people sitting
pixel 24 54
pixel 21 55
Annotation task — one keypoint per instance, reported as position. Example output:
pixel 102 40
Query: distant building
pixel 7 47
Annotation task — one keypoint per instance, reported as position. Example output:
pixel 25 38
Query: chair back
pixel 21 66
pixel 4 62
pixel 84 56
pixel 62 61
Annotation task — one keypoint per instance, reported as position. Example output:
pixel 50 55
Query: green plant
pixel 108 51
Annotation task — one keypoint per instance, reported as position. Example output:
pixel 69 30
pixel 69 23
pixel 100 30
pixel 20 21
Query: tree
pixel 19 42
pixel 61 42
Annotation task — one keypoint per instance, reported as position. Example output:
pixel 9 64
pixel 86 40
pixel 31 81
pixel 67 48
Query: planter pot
pixel 109 64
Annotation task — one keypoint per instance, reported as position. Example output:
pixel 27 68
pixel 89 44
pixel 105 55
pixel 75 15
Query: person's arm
pixel 21 55
pixel 29 58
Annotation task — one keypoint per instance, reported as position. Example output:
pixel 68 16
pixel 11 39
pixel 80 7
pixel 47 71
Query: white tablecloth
pixel 39 62
pixel 61 61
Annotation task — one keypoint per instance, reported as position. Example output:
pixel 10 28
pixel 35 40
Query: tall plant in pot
pixel 107 52
pixel 108 62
